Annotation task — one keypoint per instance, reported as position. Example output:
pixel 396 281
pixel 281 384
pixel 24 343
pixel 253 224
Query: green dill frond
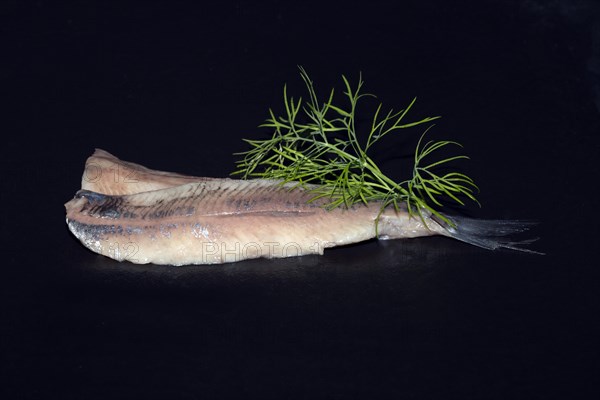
pixel 316 143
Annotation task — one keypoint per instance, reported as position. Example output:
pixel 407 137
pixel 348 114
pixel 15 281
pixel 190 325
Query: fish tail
pixel 489 233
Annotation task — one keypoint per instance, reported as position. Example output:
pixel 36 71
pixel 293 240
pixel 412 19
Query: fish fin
pixel 489 233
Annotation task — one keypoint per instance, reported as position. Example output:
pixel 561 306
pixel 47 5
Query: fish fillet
pixel 129 212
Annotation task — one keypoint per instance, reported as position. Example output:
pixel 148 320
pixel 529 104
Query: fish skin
pixel 214 221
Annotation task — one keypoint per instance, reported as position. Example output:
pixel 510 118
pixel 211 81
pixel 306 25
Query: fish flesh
pixel 129 212
pixel 106 174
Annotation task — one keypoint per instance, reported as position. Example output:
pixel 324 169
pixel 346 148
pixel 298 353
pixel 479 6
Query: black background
pixel 176 85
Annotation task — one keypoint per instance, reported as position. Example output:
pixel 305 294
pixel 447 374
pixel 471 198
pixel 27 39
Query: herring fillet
pixel 223 220
pixel 129 212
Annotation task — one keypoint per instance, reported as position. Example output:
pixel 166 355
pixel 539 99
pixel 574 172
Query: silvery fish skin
pixel 147 216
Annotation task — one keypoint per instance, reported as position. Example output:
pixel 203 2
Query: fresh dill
pixel 317 146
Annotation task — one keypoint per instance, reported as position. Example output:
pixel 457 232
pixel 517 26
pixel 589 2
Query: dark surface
pixel 175 87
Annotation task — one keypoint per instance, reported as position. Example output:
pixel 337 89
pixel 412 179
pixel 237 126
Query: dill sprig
pixel 322 152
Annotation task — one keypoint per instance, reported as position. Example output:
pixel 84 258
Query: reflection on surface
pixel 399 273
pixel 371 257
